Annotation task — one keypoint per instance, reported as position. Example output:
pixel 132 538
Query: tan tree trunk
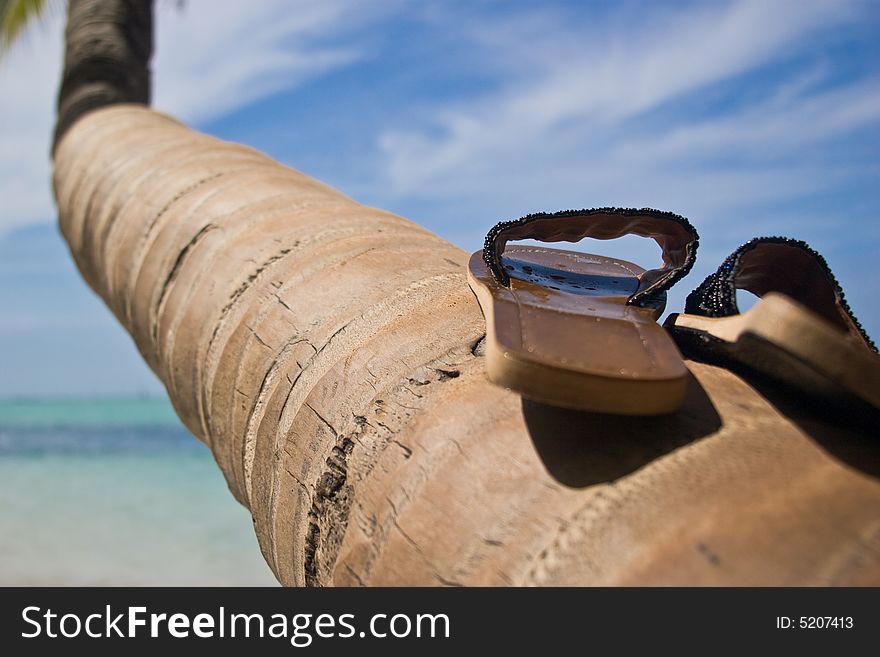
pixel 329 355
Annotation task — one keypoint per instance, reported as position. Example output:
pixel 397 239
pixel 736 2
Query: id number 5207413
pixel 814 622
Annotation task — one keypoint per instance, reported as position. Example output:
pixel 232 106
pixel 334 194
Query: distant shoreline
pixel 87 411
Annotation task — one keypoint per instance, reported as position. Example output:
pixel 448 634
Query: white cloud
pixel 212 57
pixel 215 56
pixel 767 130
pixel 565 118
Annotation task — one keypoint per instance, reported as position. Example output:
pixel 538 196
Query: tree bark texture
pixel 108 46
pixel 329 354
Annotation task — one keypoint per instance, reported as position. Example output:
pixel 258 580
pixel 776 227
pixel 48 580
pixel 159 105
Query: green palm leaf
pixel 15 16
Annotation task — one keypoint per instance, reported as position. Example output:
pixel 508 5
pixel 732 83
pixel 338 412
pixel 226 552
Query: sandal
pixel 579 330
pixel 801 332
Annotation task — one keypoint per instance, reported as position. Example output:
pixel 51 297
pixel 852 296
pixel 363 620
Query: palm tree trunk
pixel 108 45
pixel 329 354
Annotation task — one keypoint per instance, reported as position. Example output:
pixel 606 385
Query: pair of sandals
pixel 580 331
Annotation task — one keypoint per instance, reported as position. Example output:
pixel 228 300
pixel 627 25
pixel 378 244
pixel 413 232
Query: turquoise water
pixel 87 413
pixel 116 492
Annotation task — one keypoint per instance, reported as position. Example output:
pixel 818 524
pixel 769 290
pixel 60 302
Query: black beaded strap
pixel 754 268
pixel 676 236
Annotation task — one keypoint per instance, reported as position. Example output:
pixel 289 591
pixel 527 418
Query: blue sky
pixel 748 117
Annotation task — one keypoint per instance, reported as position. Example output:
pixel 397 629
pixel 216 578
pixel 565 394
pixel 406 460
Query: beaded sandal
pixel 579 330
pixel 801 332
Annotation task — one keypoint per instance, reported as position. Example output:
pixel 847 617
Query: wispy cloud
pixel 215 56
pixel 579 110
pixel 768 130
pixel 212 57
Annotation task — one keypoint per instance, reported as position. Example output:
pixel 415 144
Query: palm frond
pixel 15 16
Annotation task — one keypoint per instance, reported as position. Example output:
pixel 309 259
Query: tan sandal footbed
pixel 563 334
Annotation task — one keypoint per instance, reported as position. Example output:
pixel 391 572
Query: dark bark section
pixel 329 515
pixel 108 45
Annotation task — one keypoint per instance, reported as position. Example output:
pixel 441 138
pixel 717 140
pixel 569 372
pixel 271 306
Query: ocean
pixel 116 492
